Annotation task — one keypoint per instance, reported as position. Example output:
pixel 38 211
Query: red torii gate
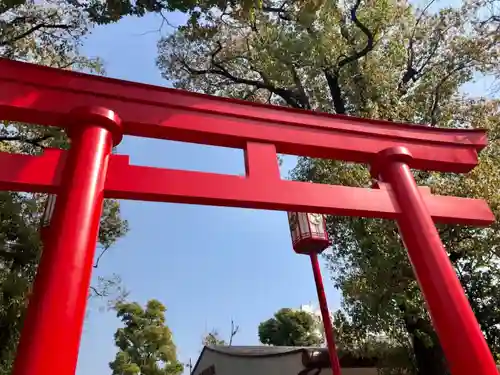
pixel 98 111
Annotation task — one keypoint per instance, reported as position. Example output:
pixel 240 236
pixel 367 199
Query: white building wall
pixel 289 364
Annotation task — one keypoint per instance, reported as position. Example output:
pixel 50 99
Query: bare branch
pixel 32 30
pixel 369 36
pixel 218 69
pixel 332 74
pixel 234 330
pixel 434 112
pixel 37 142
pixel 103 251
pixel 410 51
pixel 300 87
pixel 94 290
pixel 332 80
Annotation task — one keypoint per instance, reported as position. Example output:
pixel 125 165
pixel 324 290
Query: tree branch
pixel 218 69
pixel 103 251
pixel 410 71
pixel 32 30
pixel 369 36
pixel 304 99
pixel 434 112
pixel 234 330
pixel 34 141
pixel 332 80
pixel 94 290
pixel 415 69
pixel 332 74
pixel 281 12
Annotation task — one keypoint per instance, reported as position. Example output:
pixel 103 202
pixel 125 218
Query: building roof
pixel 316 357
pixel 312 356
pixel 256 351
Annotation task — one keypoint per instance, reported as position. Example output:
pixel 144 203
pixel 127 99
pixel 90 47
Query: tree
pixel 355 340
pixel 382 60
pixel 145 342
pixel 290 327
pixel 60 24
pixel 213 337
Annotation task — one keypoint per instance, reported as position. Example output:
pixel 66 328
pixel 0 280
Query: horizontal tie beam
pixel 126 181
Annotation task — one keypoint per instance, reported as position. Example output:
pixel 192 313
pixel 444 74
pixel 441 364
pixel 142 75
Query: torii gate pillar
pixel 54 320
pixel 447 303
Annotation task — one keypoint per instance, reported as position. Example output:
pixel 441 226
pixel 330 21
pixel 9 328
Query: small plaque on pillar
pixel 308 232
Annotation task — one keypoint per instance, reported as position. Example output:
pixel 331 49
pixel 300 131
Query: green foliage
pixel 145 342
pixel 24 19
pixel 112 227
pixel 290 327
pixel 377 59
pixel 213 339
pixel 17 267
pixel 356 340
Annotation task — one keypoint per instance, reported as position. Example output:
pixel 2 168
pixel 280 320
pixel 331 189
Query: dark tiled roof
pixel 315 354
pixel 311 356
pixel 257 351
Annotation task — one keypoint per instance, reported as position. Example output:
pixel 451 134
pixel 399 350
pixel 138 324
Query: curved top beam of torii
pixel 41 95
pixel 35 94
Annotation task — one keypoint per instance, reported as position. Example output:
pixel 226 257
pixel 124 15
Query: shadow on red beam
pixel 34 174
pixel 41 95
pixel 64 80
pixel 125 181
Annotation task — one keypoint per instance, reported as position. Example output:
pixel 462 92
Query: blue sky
pixel 208 265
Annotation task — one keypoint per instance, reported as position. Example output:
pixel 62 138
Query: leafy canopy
pixel 145 344
pixel 290 327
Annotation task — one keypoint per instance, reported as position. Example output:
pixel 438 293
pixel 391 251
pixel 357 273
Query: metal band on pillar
pixel 56 311
pixel 459 333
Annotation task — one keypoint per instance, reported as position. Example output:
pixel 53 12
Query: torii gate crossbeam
pixel 97 112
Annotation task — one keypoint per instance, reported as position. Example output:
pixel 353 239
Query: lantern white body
pixel 308 232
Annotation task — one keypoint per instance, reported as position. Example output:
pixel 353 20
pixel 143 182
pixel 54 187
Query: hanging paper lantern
pixel 308 232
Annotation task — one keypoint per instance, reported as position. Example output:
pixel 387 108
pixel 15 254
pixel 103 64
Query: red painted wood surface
pixel 459 333
pixel 126 181
pixel 53 324
pixel 42 95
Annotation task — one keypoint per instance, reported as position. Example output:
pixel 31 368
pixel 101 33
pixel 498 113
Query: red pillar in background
pixel 325 315
pixel 459 333
pixel 52 328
